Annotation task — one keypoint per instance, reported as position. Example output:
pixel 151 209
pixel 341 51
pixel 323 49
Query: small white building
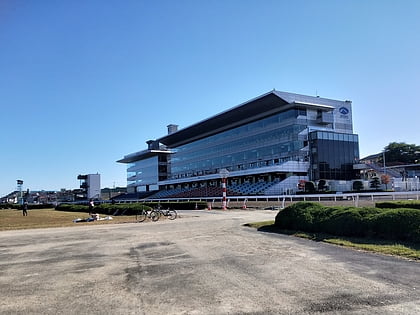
pixel 91 185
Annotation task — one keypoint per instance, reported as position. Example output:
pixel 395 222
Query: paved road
pixel 201 263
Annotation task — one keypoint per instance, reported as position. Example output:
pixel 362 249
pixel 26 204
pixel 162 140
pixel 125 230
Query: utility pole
pixel 383 157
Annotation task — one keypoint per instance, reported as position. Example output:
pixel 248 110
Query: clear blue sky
pixel 83 83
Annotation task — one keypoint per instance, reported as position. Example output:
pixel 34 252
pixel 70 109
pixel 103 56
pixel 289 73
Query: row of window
pixel 275 121
pixel 333 155
pixel 242 160
pixel 143 172
pixel 325 135
pixel 283 137
pixel 189 172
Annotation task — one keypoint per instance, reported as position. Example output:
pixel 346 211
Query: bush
pixel 6 206
pixel 31 206
pixel 107 209
pixel 412 204
pixel 375 183
pixel 72 207
pixel 181 205
pixel 322 185
pixel 298 216
pixel 401 224
pixel 130 208
pixel 348 222
pixel 309 187
pixel 358 185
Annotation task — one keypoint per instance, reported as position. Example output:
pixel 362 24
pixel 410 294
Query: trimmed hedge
pixel 107 209
pixel 411 204
pixel 181 205
pixel 403 224
pixel 30 206
pixel 399 224
pixel 129 208
pixel 7 206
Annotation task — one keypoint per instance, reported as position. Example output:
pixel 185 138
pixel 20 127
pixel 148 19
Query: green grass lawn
pixel 387 247
pixel 46 218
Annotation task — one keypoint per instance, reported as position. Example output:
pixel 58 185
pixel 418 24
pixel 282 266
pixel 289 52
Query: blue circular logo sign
pixel 343 110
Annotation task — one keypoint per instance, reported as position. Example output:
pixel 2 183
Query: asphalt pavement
pixel 205 262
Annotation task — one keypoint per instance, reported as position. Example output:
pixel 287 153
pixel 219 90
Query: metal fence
pixel 280 201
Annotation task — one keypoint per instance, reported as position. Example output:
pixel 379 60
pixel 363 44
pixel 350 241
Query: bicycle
pixel 171 214
pixel 142 214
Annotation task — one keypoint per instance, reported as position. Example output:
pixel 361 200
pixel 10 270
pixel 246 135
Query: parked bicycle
pixel 142 214
pixel 169 213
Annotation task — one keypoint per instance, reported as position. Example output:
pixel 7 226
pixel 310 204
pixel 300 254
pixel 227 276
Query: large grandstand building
pixel 268 145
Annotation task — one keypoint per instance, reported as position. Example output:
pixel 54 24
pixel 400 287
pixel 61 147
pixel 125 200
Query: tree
pixel 357 185
pixel 322 185
pixel 385 179
pixel 401 153
pixel 301 184
pixel 375 183
pixel 309 187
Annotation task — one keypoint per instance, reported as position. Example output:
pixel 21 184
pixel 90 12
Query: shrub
pixel 6 206
pixel 412 204
pixel 348 222
pixel 375 183
pixel 322 184
pixel 130 208
pixel 31 206
pixel 297 216
pixel 108 209
pixel 309 187
pixel 358 185
pixel 72 207
pixel 401 224
pixel 181 205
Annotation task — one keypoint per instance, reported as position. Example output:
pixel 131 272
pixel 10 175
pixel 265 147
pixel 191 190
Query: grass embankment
pixel 46 218
pixel 400 248
pixel 387 247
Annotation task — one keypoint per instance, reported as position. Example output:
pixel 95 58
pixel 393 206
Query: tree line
pixel 400 153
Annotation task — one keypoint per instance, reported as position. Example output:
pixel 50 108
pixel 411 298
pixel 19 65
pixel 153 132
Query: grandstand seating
pixel 162 194
pixel 245 189
pixel 133 196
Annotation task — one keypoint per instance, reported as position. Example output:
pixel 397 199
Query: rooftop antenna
pixel 316 92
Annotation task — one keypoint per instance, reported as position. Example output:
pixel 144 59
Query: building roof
pixel 372 157
pixel 262 106
pixel 141 155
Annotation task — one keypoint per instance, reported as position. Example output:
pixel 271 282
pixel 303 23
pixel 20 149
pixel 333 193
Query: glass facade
pixel 333 155
pixel 268 141
pixel 278 137
pixel 143 174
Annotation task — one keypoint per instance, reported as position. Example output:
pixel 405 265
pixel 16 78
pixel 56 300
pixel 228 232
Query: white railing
pixel 355 199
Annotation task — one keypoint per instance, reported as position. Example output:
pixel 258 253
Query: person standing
pixel 91 206
pixel 25 209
